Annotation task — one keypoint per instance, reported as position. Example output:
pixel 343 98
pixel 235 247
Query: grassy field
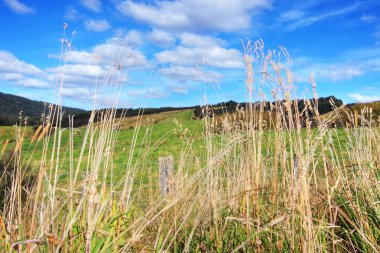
pixel 252 181
pixel 157 135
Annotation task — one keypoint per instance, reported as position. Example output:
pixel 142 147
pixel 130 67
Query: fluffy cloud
pixel 10 64
pixel 195 15
pixel 18 7
pixel 161 38
pixel 75 92
pixel 116 49
pixel 81 57
pixel 32 83
pixel 149 93
pixel 184 74
pixel 10 76
pixel 214 56
pixel 335 72
pixel 93 5
pixel 362 98
pixel 196 40
pixel 201 50
pixel 178 88
pixel 83 68
pixel 197 59
pixel 347 65
pixel 97 25
pixel 77 74
pixel 132 38
pixel 20 73
pixel 341 72
pixel 119 49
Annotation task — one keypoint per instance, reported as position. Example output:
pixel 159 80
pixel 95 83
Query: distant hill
pixel 11 106
pixel 345 114
pixel 324 106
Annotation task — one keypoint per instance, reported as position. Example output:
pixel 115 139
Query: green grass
pixel 168 136
pixel 158 136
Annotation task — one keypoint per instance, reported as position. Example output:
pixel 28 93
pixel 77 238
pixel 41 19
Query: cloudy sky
pixel 171 52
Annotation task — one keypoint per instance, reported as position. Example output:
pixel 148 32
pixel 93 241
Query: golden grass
pixel 269 185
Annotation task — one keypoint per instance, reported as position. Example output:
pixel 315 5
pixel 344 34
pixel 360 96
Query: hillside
pixel 11 105
pixel 345 114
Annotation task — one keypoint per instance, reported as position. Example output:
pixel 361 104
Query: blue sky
pixel 173 51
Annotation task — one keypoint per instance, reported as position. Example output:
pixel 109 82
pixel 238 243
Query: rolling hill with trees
pixel 12 105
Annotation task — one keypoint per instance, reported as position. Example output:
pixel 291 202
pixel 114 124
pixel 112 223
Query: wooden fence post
pixel 356 118
pixel 166 170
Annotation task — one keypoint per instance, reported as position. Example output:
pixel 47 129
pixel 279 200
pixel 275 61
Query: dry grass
pixel 282 189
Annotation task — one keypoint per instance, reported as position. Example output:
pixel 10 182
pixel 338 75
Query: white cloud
pixel 178 88
pixel 93 5
pixel 76 92
pixel 88 95
pixel 194 60
pixel 78 69
pixel 213 56
pixel 347 65
pixel 196 40
pixel 292 15
pixel 341 72
pixel 77 74
pixel 161 38
pixel 186 74
pixel 149 93
pixel 18 7
pixel 10 64
pixel 20 73
pixel 367 18
pixel 195 15
pixel 74 56
pixel 362 98
pixel 368 59
pixel 83 68
pixel 133 38
pixel 196 49
pixel 119 49
pixel 97 25
pixel 10 76
pixel 333 72
pixel 81 57
pixel 299 19
pixel 32 83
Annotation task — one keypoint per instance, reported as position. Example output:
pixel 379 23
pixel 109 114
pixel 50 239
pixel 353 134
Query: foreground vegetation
pixel 250 181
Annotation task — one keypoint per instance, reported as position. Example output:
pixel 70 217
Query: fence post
pixel 356 118
pixel 166 170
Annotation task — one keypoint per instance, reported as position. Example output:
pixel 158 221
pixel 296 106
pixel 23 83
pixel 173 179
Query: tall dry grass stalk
pixel 274 179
